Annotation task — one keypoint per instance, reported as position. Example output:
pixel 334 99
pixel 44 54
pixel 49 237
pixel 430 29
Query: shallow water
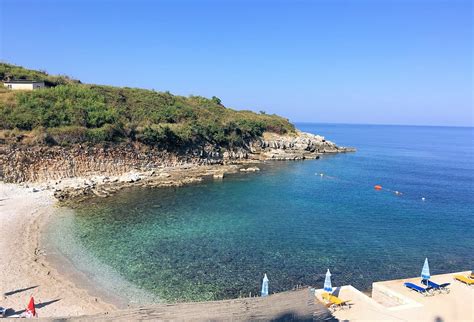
pixel 215 240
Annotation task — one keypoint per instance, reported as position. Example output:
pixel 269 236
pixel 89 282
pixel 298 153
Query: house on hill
pixel 27 85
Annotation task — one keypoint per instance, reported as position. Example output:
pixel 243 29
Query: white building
pixel 27 85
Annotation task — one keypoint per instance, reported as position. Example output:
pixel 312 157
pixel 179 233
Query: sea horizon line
pixel 385 124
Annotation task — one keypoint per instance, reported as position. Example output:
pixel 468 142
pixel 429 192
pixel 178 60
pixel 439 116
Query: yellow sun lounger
pixel 334 302
pixel 464 279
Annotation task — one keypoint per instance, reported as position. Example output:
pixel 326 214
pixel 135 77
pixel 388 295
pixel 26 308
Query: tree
pixel 216 100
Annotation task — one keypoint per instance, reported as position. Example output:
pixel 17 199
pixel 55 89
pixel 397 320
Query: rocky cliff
pixel 294 147
pixel 19 163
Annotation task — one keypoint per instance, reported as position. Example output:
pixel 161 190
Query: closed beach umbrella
pixel 425 272
pixel 30 309
pixel 327 282
pixel 265 286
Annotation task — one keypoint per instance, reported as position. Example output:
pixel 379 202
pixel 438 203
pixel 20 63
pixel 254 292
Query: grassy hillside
pixel 68 112
pixel 13 72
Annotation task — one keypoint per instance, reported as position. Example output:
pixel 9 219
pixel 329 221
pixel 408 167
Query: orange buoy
pixel 377 187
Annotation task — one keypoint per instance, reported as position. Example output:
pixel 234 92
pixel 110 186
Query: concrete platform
pixel 392 301
pixel 362 307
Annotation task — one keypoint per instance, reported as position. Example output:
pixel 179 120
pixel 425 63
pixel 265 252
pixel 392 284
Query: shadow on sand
pixel 20 290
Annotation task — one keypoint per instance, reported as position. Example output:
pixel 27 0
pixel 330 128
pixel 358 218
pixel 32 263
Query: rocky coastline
pixel 80 171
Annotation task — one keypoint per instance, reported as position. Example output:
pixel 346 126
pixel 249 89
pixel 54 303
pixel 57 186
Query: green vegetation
pixel 68 112
pixel 12 72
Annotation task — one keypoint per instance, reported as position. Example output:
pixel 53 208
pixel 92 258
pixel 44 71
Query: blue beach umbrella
pixel 327 282
pixel 265 286
pixel 425 272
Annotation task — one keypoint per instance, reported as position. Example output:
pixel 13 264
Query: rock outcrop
pixel 294 147
pixel 19 163
pixel 103 186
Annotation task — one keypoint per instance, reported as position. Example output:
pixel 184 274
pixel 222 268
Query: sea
pixel 292 221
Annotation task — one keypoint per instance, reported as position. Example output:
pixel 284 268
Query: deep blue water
pixel 216 239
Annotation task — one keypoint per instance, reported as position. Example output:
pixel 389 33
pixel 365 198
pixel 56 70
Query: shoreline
pixel 27 271
pixel 34 266
pixel 71 259
pixel 24 268
pixel 61 286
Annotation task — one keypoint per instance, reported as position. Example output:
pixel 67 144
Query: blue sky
pixel 386 62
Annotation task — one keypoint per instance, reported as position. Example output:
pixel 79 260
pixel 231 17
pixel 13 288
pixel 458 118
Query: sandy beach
pixel 24 271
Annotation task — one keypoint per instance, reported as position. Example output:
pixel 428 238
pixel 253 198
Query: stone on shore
pixel 250 169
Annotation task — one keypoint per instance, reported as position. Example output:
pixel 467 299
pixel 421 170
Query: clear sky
pixel 360 61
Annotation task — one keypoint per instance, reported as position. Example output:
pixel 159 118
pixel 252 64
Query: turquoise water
pixel 215 240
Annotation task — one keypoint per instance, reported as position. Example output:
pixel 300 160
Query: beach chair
pixel 464 279
pixel 428 291
pixel 3 312
pixel 441 288
pixel 334 303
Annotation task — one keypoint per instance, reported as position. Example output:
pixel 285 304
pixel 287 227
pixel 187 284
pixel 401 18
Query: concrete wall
pixel 24 86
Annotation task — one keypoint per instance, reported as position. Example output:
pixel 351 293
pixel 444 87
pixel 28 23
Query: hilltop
pixel 69 112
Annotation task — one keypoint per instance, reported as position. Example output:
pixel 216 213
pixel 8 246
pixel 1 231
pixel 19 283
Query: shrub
pixel 107 133
pixel 67 135
pixel 160 136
